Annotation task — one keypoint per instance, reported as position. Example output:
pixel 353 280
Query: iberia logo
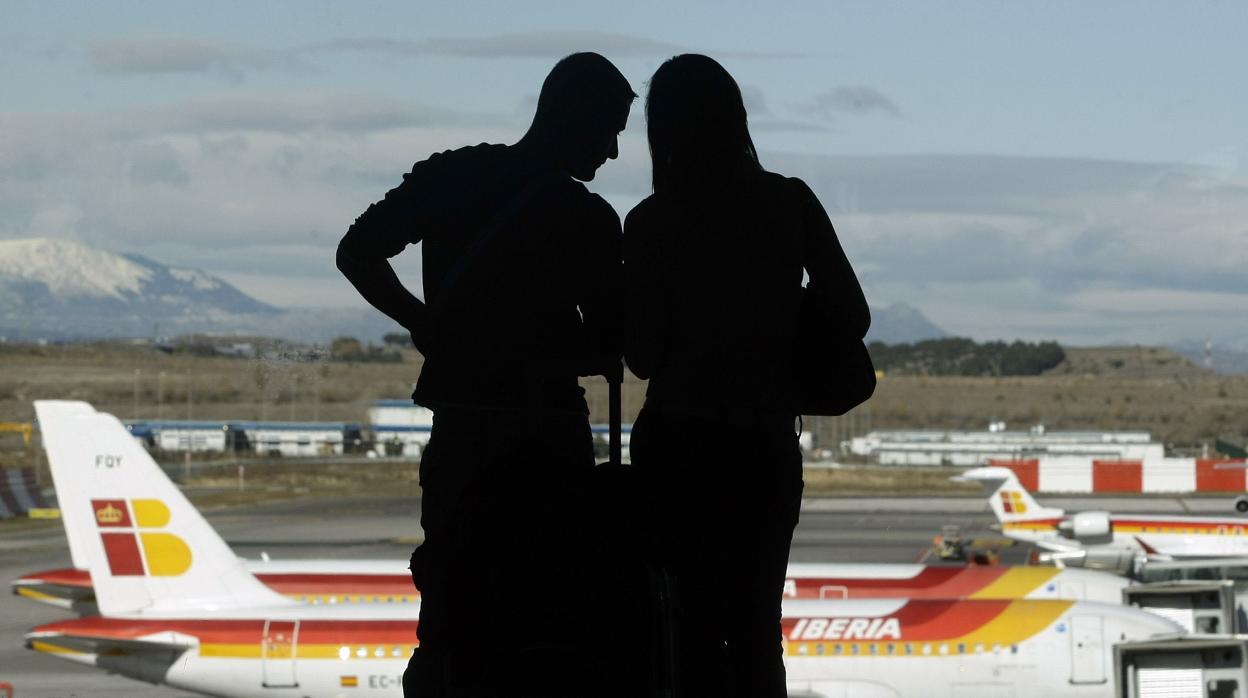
pixel 1012 502
pixel 133 548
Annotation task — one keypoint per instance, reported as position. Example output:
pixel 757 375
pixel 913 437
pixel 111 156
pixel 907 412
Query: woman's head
pixel 697 126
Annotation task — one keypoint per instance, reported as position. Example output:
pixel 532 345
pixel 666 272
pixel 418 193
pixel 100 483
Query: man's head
pixel 581 110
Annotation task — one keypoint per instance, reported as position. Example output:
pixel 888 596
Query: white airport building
pixel 400 427
pixel 974 448
pixel 301 438
pixel 395 428
pixel 267 438
pixel 184 435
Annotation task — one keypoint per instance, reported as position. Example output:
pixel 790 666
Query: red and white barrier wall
pixel 1169 475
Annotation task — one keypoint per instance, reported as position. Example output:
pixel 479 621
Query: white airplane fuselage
pixel 1169 536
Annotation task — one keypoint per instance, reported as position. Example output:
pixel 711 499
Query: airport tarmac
pixel 837 529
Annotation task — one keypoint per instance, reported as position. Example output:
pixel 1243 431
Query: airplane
pixel 322 581
pixel 1100 539
pixel 178 608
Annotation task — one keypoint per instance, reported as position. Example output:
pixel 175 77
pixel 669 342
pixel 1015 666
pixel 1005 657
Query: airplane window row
pixel 907 648
pixel 346 652
pixel 317 600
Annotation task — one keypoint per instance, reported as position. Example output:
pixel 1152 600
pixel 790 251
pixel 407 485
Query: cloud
pixel 854 100
pixel 259 186
pixel 157 55
pixel 308 111
pixel 539 44
pixel 787 125
pixel 762 118
pixel 292 112
pixel 755 101
pixel 543 44
pixel 188 55
pixel 220 176
pixel 157 163
pixel 1084 250
pixel 1158 300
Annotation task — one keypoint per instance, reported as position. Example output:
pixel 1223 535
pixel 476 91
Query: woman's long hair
pixel 697 127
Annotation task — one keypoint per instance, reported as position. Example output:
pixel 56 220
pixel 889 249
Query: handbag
pixel 833 372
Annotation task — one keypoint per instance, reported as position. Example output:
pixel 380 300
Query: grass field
pixel 1105 388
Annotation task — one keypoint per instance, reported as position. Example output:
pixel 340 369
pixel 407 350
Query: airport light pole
pixel 186 476
pixel 316 394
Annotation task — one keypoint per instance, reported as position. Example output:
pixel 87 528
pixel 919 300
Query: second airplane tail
pixel 1007 497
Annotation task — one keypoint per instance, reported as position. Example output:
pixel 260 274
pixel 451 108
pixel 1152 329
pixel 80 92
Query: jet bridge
pixel 1186 666
pixel 1200 607
pixel 1233 569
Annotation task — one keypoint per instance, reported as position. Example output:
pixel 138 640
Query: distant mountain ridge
pixel 65 289
pixel 900 323
pixel 1221 357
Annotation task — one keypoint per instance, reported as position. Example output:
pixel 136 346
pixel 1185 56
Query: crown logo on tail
pixel 109 514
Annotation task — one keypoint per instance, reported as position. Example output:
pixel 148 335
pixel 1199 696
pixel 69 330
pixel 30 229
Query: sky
pixel 1058 170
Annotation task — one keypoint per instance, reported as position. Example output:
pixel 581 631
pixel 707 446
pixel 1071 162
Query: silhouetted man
pixel 522 280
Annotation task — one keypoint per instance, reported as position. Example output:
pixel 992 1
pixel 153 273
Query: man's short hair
pixel 582 85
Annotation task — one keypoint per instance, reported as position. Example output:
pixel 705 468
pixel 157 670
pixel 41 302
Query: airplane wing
pixel 1148 549
pixel 68 588
pixel 87 647
pixel 58 595
pixel 1056 546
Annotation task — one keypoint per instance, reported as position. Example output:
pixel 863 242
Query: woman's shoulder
pixel 781 185
pixel 644 212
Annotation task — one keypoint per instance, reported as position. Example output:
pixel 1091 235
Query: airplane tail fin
pixel 54 417
pixel 146 546
pixel 1007 497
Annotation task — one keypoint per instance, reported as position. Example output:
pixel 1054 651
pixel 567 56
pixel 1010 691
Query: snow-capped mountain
pixel 66 289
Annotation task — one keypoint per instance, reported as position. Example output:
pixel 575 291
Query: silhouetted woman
pixel 714 260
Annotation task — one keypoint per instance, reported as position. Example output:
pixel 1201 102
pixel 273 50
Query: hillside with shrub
pixel 959 356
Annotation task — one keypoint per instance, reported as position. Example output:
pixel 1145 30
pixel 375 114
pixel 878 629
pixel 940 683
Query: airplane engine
pixel 1088 527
